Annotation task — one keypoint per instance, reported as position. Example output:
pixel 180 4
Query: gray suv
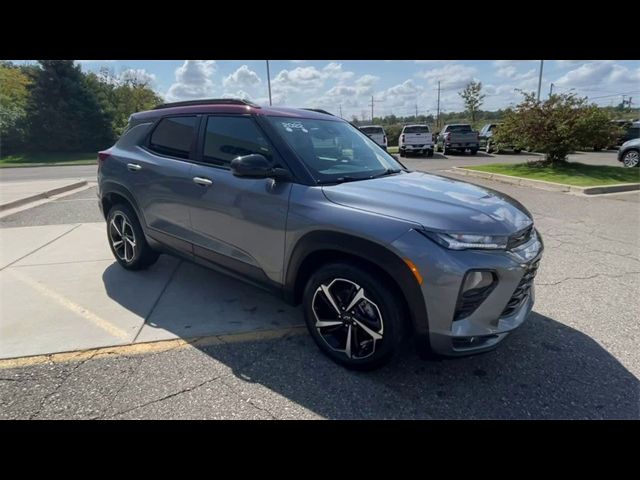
pixel 302 203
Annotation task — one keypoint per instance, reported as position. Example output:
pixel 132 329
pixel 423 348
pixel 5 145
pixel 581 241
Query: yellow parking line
pixel 69 305
pixel 150 347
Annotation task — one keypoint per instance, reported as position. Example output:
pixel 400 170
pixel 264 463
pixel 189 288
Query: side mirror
pixel 256 166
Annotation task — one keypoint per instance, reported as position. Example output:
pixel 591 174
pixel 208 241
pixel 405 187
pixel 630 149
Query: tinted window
pixel 417 129
pixel 372 130
pixel 229 137
pixel 459 128
pixel 174 136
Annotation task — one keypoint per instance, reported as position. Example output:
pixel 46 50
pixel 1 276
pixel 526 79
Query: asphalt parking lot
pixel 576 357
pixel 442 162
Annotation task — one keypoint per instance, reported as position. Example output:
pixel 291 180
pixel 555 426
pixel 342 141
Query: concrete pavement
pixel 16 194
pixel 61 290
pixel 22 174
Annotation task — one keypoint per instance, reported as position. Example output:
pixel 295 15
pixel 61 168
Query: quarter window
pixel 229 137
pixel 174 136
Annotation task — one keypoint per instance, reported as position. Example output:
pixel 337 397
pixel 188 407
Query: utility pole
pixel 438 114
pixel 416 112
pixel 371 108
pixel 540 78
pixel 340 107
pixel 551 90
pixel 269 82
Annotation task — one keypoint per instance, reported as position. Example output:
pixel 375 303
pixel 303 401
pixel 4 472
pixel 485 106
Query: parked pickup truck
pixel 376 133
pixel 458 137
pixel 416 139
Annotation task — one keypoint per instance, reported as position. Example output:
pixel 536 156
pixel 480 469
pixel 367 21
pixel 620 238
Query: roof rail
pixel 208 101
pixel 319 111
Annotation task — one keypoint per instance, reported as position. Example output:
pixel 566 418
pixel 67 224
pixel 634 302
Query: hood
pixel 435 202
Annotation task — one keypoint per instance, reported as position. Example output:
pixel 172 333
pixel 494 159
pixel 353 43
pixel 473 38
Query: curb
pixel 550 186
pixel 40 196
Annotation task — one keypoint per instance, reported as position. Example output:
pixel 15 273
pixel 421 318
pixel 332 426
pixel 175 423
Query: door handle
pixel 205 182
pixel 134 167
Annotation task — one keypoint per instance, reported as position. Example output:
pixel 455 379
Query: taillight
pixel 384 139
pixel 102 157
pixel 403 138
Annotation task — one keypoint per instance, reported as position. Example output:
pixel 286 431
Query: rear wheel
pixel 429 153
pixel 516 150
pixel 353 316
pixel 127 240
pixel 631 158
pixel 473 151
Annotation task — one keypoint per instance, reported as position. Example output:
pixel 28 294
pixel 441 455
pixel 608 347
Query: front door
pixel 238 222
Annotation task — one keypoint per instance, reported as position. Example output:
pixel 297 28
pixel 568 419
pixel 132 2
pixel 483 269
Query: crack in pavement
pixel 587 278
pixel 55 390
pixel 201 384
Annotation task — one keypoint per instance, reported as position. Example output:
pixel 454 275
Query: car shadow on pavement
pixel 544 370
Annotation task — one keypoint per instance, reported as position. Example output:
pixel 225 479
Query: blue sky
pixel 396 85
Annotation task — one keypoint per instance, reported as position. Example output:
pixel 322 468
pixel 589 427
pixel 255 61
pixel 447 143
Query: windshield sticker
pixel 289 126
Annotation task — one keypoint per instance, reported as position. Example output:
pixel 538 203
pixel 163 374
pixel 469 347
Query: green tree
pixel 595 129
pixel 13 101
pixel 63 112
pixel 473 98
pixel 555 127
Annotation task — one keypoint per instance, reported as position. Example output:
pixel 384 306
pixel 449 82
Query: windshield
pixel 417 129
pixel 459 128
pixel 334 151
pixel 372 130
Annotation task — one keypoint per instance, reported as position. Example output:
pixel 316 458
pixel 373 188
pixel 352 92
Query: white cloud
pixel 194 79
pixel 334 70
pixel 604 74
pixel 289 83
pixel 238 94
pixel 243 77
pixel 453 75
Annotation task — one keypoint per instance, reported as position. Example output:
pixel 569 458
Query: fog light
pixel 476 287
pixel 477 279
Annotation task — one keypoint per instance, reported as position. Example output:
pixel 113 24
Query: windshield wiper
pixel 343 179
pixel 388 171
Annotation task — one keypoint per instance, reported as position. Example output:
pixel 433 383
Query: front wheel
pixel 473 151
pixel 631 158
pixel 127 240
pixel 429 153
pixel 353 316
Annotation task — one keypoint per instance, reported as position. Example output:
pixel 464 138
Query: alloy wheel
pixel 122 237
pixel 631 158
pixel 346 319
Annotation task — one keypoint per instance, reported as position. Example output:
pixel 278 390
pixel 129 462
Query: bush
pixel 561 124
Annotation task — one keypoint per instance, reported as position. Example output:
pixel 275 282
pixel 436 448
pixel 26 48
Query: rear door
pixel 238 223
pixel 161 179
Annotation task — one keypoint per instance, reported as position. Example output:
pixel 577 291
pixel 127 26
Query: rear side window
pixel 229 137
pixel 417 129
pixel 174 136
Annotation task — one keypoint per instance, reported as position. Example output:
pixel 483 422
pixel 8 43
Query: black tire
pixel 343 281
pixel 516 150
pixel 473 151
pixel 429 153
pixel 132 256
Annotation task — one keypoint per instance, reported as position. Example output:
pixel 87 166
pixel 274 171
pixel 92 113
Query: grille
pixel 522 290
pixel 520 238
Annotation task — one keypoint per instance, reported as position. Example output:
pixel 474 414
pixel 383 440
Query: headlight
pixel 462 241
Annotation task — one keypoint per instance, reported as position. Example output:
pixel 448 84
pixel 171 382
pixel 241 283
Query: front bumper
pixel 443 272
